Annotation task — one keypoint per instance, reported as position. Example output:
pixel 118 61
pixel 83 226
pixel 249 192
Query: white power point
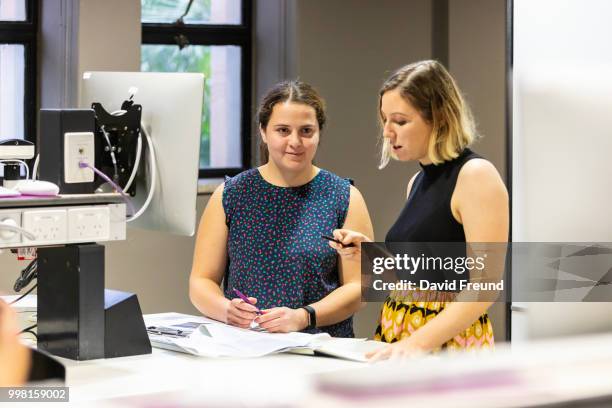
pixel 78 146
pixel 62 225
pixel 49 226
pixel 88 223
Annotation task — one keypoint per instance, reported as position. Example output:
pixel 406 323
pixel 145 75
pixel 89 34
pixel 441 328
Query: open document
pixel 209 338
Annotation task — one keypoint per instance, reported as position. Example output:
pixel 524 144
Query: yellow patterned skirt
pixel 402 315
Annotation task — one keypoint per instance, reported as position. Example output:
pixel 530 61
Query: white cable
pixel 153 170
pixel 20 230
pixel 111 151
pixel 35 168
pixel 152 165
pixel 136 164
pixel 138 153
pixel 27 169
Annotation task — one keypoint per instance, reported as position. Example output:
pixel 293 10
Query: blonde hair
pixel 431 90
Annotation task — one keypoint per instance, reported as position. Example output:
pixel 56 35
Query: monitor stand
pixel 77 318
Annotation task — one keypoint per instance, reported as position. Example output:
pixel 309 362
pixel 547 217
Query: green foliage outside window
pixel 169 58
pixel 167 11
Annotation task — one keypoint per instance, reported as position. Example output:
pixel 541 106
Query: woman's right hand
pixel 240 313
pixel 348 237
pixel 14 356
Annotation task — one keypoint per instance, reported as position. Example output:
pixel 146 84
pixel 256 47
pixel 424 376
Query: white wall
pixel 109 36
pixel 477 47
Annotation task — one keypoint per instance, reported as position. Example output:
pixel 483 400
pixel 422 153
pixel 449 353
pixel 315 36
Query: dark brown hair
pixel 289 91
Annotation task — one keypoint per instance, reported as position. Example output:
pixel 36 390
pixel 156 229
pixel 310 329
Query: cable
pixel 27 169
pixel 126 197
pixel 112 153
pixel 138 151
pixel 27 275
pixel 35 167
pixel 30 327
pixel 136 164
pixel 24 295
pixel 20 230
pixel 180 19
pixel 153 170
pixel 153 167
pixel 30 332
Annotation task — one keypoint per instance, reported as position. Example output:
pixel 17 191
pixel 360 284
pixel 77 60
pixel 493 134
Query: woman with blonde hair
pixel 457 196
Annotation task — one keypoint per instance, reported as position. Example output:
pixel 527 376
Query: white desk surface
pixel 228 382
pixel 540 373
pixel 524 374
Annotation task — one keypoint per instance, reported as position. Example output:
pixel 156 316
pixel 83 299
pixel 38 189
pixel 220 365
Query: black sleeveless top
pixel 427 215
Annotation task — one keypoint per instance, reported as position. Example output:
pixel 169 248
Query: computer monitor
pixel 561 189
pixel 172 114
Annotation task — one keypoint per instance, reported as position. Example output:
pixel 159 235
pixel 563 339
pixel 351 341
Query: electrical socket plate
pixel 78 146
pixel 64 225
pixel 49 226
pixel 86 223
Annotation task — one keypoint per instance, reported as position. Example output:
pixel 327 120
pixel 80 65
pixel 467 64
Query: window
pixel 18 32
pixel 214 38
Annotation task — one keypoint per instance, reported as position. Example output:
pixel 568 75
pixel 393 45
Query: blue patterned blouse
pixel 276 253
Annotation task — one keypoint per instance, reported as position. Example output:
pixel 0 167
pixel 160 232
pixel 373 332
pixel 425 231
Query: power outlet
pixel 13 219
pixel 78 146
pixel 49 226
pixel 88 223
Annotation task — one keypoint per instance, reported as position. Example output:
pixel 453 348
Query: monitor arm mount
pixel 118 134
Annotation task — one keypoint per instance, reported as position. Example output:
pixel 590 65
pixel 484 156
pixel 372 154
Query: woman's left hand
pixel 402 349
pixel 283 319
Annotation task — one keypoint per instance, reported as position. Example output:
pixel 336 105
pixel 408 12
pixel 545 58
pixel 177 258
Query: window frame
pixel 26 33
pixel 217 34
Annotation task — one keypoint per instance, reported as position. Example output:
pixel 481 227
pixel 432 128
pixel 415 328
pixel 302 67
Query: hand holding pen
pixel 347 242
pixel 241 311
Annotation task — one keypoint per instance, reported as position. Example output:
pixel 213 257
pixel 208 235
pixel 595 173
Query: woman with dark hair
pixel 261 231
pixel 456 197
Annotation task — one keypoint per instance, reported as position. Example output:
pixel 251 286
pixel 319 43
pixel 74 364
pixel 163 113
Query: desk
pixel 550 372
pixel 536 373
pixel 171 375
pixel 281 379
pixel 541 373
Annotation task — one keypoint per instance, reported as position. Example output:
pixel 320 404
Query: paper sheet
pixel 220 340
pixel 216 339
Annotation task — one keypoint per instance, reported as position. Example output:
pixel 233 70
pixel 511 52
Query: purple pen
pixel 246 300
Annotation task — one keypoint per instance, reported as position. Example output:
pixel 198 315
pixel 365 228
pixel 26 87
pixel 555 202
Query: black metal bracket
pixel 117 135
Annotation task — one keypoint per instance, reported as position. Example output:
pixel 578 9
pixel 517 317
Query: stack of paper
pixel 221 340
pixel 209 338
